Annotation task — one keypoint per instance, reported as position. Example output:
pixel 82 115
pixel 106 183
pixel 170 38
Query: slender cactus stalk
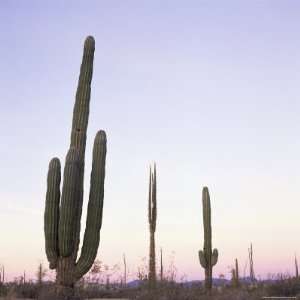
pixel 125 270
pixel 63 209
pixel 296 267
pixel 250 251
pixel 152 214
pixel 208 257
pixel 237 272
pixel 3 274
pixel 235 275
pixel 161 266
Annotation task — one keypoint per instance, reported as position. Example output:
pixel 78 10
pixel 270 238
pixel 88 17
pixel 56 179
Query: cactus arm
pixel 214 257
pixel 95 207
pixel 51 215
pixel 80 123
pixel 202 259
pixel 69 198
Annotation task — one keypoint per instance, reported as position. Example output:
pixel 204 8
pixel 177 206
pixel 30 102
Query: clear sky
pixel 207 89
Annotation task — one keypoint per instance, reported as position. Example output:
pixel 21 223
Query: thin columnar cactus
pixel 235 274
pixel 161 266
pixel 296 267
pixel 125 270
pixel 63 210
pixel 208 257
pixel 233 278
pixel 152 214
pixel 250 251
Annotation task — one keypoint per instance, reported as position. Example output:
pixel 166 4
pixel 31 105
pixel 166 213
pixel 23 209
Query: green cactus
pixel 152 214
pixel 235 275
pixel 250 251
pixel 207 257
pixel 237 272
pixel 63 211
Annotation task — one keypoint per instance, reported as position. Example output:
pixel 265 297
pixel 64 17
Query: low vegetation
pixel 165 290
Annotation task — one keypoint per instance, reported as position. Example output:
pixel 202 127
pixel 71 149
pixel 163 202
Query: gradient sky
pixel 208 90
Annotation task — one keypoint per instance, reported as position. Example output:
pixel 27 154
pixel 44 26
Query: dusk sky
pixel 209 90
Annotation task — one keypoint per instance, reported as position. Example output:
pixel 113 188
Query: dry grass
pixel 175 291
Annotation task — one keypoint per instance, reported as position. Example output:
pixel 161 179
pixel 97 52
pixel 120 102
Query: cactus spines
pixel 152 214
pixel 63 211
pixel 208 257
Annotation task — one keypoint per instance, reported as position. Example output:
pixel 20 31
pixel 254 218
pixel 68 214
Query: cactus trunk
pixel 235 275
pixel 152 213
pixel 63 211
pixel 208 257
pixel 250 251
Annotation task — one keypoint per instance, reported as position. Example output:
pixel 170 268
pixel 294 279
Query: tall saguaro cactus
pixel 152 214
pixel 208 257
pixel 63 209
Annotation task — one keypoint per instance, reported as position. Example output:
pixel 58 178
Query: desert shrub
pixel 284 287
pixel 177 291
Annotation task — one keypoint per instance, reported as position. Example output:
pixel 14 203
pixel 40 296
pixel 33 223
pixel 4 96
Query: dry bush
pixel 11 294
pixel 285 287
pixel 50 293
pixel 177 291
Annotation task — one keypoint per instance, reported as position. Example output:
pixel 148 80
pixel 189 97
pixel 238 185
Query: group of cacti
pixel 235 274
pixel 63 208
